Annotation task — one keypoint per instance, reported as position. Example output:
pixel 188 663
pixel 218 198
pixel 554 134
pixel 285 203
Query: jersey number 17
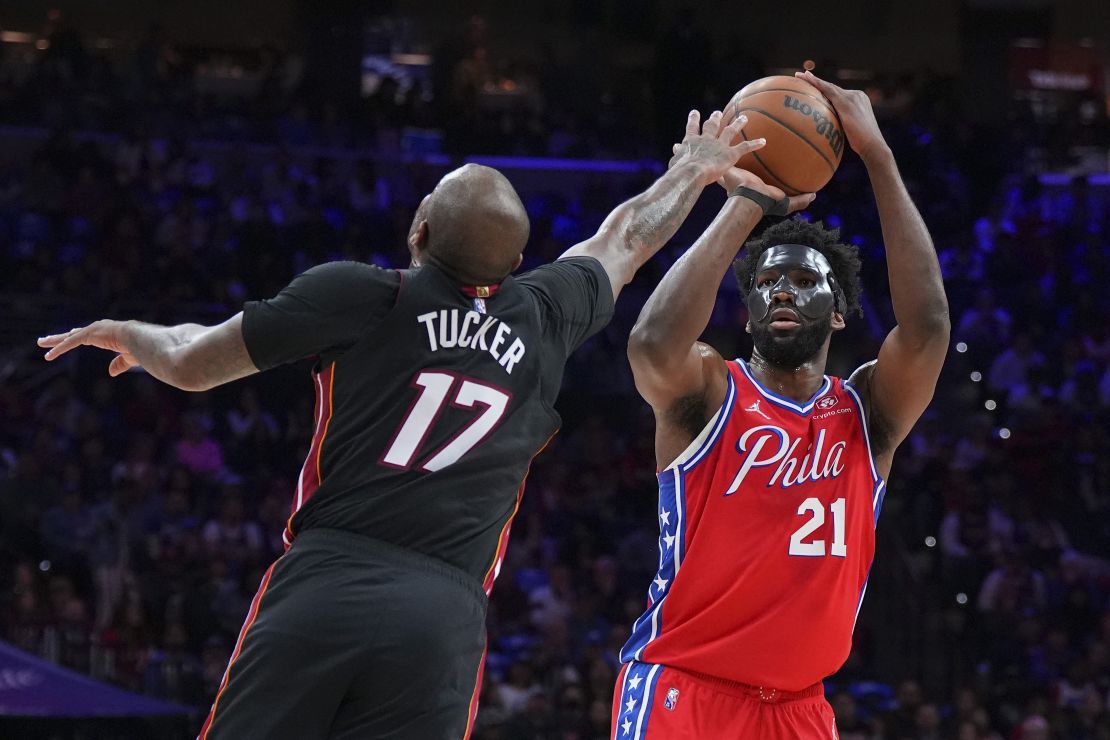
pixel 435 388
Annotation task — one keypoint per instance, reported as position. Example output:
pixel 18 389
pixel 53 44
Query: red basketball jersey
pixel 767 532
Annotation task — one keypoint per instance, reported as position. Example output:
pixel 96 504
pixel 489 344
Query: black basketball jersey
pixel 430 401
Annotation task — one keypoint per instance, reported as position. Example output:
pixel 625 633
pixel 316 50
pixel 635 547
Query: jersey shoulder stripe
pixel 672 533
pixel 863 424
pixel 701 444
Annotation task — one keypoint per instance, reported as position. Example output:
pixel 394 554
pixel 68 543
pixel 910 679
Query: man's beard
pixel 790 350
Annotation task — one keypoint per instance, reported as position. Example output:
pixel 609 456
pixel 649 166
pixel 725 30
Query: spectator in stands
pixel 1012 371
pixel 198 451
pixel 171 671
pixel 985 327
pixel 231 536
pixel 68 529
pixel 1034 727
pixel 1013 587
pixel 849 725
pixel 253 430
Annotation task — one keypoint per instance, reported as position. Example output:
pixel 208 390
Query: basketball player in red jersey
pixel 771 472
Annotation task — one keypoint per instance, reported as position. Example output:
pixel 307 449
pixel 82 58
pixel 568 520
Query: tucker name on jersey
pixel 452 327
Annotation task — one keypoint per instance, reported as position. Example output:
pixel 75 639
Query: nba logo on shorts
pixel 672 698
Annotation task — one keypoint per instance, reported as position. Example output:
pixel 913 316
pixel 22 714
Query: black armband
pixel 769 205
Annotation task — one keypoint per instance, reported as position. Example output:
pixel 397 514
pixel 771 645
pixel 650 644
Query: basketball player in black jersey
pixel 434 390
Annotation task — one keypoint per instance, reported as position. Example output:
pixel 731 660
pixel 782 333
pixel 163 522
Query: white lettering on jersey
pixel 479 341
pixel 472 317
pixel 498 340
pixel 768 445
pixel 426 319
pixel 447 330
pixel 512 355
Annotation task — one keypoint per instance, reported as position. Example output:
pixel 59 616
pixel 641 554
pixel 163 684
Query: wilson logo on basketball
pixel 825 127
pixel 827 402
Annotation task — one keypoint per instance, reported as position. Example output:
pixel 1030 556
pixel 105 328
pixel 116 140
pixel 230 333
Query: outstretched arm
pixel 639 227
pixel 900 384
pixel 674 372
pixel 326 309
pixel 188 356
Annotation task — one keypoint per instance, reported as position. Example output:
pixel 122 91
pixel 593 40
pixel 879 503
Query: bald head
pixel 472 225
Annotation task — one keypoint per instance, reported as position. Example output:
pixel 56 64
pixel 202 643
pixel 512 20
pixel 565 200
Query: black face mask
pixel 814 303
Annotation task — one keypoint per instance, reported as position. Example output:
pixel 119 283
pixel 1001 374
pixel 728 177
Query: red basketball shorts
pixel 654 702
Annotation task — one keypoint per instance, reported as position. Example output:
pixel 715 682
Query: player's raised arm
pixel 668 362
pixel 640 226
pixel 899 385
pixel 188 356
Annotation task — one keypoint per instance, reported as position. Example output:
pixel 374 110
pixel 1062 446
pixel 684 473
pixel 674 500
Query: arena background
pixel 168 161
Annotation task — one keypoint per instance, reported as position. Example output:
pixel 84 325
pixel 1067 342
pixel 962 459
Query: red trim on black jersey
pixel 252 614
pixel 480 291
pixel 472 709
pixel 503 538
pixel 400 286
pixel 311 477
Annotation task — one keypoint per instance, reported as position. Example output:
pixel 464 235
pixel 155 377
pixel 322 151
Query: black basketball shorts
pixel 349 637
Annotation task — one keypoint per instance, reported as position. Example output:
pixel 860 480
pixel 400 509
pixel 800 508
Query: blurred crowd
pixel 550 104
pixel 136 520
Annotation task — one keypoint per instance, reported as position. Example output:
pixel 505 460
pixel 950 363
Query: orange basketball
pixel 805 140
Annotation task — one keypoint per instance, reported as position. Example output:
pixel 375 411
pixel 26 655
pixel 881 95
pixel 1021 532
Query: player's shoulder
pixel 349 286
pixel 849 389
pixel 880 431
pixel 569 291
pixel 859 380
pixel 351 275
pixel 353 269
pixel 564 270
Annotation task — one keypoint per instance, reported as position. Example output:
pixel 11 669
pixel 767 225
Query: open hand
pixel 105 334
pixel 856 115
pixel 713 146
pixel 735 177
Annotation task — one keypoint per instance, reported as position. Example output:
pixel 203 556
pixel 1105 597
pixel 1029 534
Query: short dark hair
pixel 844 258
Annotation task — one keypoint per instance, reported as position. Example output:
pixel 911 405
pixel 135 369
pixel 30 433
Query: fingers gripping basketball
pixel 805 139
